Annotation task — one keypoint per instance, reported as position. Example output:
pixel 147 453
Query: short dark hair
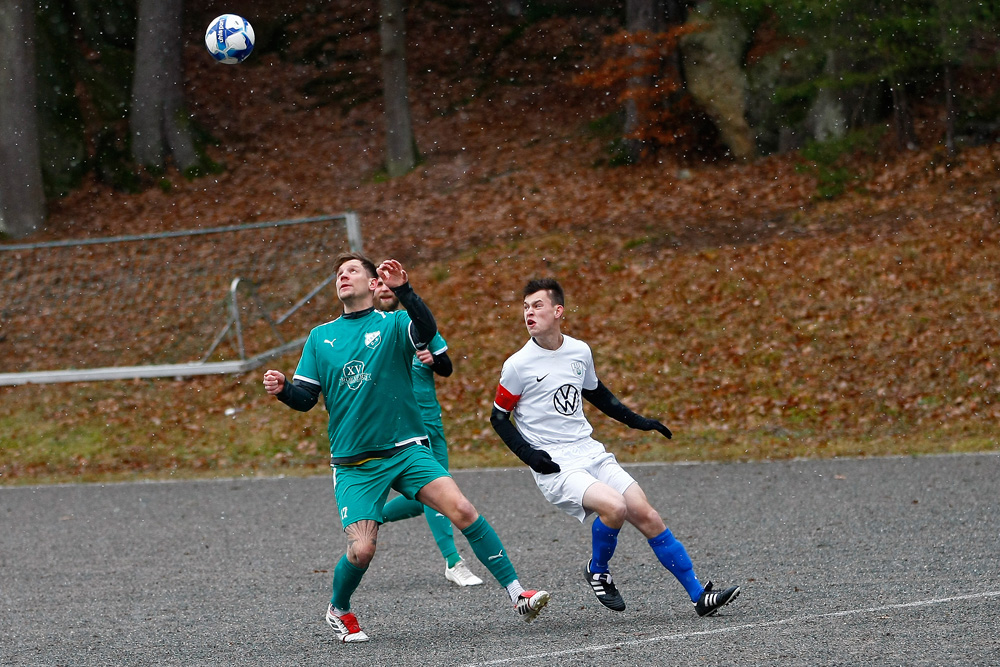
pixel 346 257
pixel 550 285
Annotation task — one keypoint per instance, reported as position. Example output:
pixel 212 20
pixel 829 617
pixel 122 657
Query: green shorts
pixel 361 489
pixel 439 446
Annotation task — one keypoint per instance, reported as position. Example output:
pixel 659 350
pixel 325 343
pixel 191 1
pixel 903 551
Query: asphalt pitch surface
pixel 892 561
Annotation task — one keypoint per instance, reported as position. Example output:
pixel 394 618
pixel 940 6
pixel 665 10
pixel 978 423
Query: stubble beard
pixel 355 301
pixel 387 305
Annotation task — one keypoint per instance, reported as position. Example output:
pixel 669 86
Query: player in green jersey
pixel 426 363
pixel 362 363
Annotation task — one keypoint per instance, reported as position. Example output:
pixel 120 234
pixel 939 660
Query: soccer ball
pixel 229 39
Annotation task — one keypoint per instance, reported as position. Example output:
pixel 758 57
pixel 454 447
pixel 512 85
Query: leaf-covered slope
pixel 752 318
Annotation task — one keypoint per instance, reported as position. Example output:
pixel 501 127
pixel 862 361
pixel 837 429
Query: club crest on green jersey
pixel 354 375
pixel 372 339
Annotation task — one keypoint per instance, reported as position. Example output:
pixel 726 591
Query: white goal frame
pixel 234 325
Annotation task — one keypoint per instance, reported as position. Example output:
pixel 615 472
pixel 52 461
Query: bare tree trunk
pixel 675 13
pixel 158 121
pixel 22 199
pixel 950 45
pixel 906 136
pixel 949 110
pixel 640 15
pixel 401 151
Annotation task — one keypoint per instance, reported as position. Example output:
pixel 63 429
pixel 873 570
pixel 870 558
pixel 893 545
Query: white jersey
pixel 542 389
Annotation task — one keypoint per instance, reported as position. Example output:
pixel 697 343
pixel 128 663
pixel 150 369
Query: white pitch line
pixel 737 628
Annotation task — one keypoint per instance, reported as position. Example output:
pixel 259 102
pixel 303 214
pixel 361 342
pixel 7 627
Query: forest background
pixel 777 223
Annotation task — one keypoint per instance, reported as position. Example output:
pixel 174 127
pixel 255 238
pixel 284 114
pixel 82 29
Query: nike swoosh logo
pixel 541 378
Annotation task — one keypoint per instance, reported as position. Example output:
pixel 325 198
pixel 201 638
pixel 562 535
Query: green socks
pixel 490 551
pixel 346 579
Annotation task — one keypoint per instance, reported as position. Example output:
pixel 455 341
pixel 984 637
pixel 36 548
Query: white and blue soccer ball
pixel 229 39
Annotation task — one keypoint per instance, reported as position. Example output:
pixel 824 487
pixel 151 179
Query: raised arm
pixel 422 324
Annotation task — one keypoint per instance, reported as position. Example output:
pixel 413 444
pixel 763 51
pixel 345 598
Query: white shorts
pixel 582 464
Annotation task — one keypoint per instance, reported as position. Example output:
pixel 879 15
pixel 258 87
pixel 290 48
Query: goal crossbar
pixel 350 219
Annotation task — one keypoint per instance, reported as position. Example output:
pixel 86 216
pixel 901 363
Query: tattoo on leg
pixel 362 538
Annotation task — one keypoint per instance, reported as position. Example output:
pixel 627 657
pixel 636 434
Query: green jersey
pixel 362 364
pixel 423 382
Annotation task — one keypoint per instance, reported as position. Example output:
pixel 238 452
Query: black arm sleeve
pixel 422 324
pixel 538 459
pixel 442 364
pixel 602 398
pixel 299 395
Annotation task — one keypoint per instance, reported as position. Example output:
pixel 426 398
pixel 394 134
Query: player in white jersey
pixel 542 386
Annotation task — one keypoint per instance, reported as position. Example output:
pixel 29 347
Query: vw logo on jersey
pixel 566 400
pixel 372 339
pixel 354 375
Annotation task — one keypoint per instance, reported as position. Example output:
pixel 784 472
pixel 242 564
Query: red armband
pixel 505 400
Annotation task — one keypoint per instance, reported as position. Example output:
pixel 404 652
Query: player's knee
pixel 360 554
pixel 464 513
pixel 614 513
pixel 363 542
pixel 647 520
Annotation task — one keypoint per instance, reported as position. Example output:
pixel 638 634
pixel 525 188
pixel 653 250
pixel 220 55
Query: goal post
pixel 219 300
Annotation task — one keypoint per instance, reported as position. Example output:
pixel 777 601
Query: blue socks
pixel 604 541
pixel 668 550
pixel 674 557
